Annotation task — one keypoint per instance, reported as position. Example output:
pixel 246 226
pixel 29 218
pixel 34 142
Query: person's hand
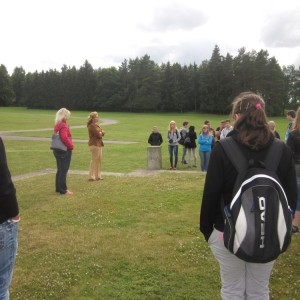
pixel 16 218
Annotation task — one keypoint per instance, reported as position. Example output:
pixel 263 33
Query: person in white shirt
pixel 227 128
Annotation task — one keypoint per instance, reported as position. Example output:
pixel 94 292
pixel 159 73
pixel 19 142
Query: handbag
pixel 57 144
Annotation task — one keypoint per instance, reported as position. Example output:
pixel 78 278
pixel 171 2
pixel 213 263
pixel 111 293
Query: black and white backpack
pixel 258 220
pixel 183 134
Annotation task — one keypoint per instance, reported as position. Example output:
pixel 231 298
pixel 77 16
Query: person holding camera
pixel 173 138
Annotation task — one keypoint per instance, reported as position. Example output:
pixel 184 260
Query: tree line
pixel 141 85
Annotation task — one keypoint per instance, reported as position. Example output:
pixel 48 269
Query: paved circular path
pixel 6 135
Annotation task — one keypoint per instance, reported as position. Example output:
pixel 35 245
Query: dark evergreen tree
pixel 18 83
pixel 85 87
pixel 107 88
pixel 292 80
pixel 6 90
pixel 143 85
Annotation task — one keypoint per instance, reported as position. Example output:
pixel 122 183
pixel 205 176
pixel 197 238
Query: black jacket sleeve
pixel 210 211
pixel 8 200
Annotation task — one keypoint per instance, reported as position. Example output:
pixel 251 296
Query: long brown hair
pixel 251 124
pixel 296 125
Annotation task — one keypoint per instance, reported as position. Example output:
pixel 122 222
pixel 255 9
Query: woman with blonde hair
pixel 241 279
pixel 95 145
pixel 63 159
pixel 272 126
pixel 173 137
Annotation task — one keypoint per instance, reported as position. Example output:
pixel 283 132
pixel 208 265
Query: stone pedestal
pixel 154 158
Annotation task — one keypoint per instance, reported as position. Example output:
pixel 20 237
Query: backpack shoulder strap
pixel 274 154
pixel 234 154
pixel 239 161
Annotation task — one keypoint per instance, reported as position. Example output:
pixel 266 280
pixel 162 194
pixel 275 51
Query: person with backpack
pixel 183 132
pixel 246 257
pixel 190 145
pixel 173 137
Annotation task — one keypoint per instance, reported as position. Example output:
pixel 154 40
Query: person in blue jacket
pixel 205 141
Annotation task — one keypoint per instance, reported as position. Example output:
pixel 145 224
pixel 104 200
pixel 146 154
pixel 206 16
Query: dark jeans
pixel 175 150
pixel 63 160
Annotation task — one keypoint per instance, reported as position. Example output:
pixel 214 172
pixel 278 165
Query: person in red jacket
pixel 9 218
pixel 63 159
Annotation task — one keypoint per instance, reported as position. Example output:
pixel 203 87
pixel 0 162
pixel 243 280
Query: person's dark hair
pixel 206 122
pixel 291 113
pixel 191 129
pixel 251 125
pixel 185 123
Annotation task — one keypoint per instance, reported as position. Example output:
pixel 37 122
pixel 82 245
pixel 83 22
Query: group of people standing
pixel 188 138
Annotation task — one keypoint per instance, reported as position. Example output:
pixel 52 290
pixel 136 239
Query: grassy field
pixel 122 238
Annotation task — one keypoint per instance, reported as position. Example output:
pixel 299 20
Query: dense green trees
pixel 6 89
pixel 140 85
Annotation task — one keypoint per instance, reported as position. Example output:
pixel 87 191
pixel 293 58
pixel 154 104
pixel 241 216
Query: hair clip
pixel 258 105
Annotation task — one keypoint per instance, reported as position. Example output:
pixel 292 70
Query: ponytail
pixel 251 124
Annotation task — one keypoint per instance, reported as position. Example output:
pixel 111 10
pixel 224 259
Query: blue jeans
pixel 8 251
pixel 63 160
pixel 204 156
pixel 175 150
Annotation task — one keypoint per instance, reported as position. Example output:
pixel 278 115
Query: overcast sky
pixel 46 34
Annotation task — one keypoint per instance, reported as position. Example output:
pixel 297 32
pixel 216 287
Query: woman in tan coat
pixel 95 146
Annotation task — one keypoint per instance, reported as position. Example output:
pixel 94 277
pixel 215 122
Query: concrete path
pixel 6 135
pixel 135 173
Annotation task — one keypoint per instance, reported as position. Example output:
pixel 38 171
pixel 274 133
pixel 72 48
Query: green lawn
pixel 122 238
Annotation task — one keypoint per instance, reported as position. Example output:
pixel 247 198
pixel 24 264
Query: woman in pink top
pixel 63 159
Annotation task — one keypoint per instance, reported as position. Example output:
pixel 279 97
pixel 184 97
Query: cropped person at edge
pixel 9 218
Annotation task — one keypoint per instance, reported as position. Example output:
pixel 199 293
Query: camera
pixel 170 141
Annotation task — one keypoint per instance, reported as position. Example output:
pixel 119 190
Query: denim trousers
pixel 8 251
pixel 184 150
pixel 204 156
pixel 63 160
pixel 190 152
pixel 240 280
pixel 173 149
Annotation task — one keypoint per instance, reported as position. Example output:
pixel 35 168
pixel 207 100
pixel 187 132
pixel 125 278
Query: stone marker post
pixel 154 158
